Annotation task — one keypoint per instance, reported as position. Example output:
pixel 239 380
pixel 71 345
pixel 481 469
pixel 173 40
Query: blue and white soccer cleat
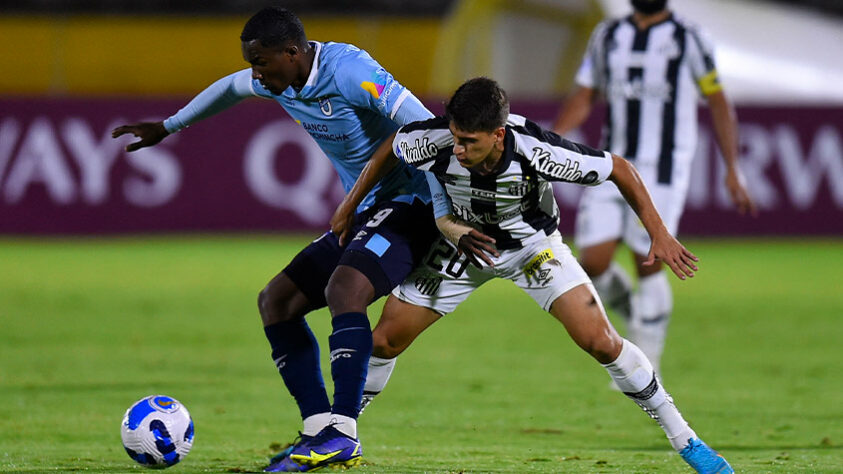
pixel 287 465
pixel 281 462
pixel 300 439
pixel 328 448
pixel 703 459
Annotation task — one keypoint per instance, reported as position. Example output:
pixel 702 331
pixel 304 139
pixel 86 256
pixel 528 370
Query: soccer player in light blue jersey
pixel 349 104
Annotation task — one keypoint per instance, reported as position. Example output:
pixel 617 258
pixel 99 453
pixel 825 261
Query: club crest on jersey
pixel 420 150
pixel 325 106
pixel 518 189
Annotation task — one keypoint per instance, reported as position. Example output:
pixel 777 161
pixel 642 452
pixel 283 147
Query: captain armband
pixel 452 228
pixel 710 83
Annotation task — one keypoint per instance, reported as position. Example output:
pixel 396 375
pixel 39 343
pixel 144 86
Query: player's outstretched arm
pixel 217 97
pixel 726 132
pixel 575 110
pixel 381 163
pixel 664 246
pixel 150 133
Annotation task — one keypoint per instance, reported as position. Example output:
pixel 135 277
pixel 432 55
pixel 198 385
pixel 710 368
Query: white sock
pixel 345 424
pixel 615 289
pixel 376 378
pixel 652 305
pixel 634 375
pixel 313 424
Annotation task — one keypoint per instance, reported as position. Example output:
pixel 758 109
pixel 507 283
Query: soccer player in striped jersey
pixel 349 104
pixel 495 169
pixel 650 68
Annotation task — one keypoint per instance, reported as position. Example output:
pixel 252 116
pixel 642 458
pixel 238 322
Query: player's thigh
pixel 582 314
pixel 399 325
pixel 599 226
pixel 389 241
pixel 442 281
pixel 300 287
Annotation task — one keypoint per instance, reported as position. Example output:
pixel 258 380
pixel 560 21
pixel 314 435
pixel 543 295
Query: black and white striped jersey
pixel 516 203
pixel 650 80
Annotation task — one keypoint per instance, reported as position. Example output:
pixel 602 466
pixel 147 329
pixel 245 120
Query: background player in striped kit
pixel 648 67
pixel 495 169
pixel 349 104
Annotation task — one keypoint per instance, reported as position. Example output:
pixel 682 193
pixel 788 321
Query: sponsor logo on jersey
pixel 567 171
pixel 639 90
pixel 466 214
pixel 321 131
pixel 418 151
pixel 373 88
pixel 483 194
pixel 533 268
pixel 325 106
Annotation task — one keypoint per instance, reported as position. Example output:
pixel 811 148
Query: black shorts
pixel 389 239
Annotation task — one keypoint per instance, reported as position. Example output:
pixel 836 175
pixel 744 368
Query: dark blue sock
pixel 296 354
pixel 351 346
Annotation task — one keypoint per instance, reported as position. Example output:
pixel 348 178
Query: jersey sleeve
pixel 366 84
pixel 423 144
pixel 219 96
pixel 590 70
pixel 557 159
pixel 701 61
pixel 441 202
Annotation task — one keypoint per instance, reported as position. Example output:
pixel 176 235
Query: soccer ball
pixel 157 431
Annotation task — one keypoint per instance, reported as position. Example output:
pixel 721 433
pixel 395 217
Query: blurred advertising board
pixel 252 168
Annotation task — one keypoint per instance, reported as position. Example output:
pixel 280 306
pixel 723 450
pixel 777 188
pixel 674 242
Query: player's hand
pixel 739 194
pixel 150 133
pixel 341 222
pixel 667 249
pixel 478 246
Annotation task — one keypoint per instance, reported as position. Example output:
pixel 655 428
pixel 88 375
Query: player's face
pixel 276 68
pixel 474 148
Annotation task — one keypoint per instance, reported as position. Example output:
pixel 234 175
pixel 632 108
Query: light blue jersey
pixel 349 105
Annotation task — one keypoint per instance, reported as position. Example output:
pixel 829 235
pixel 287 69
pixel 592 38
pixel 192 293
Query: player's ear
pixel 292 50
pixel 499 133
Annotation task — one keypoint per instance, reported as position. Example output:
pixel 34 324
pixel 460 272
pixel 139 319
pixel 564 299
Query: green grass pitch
pixel 88 326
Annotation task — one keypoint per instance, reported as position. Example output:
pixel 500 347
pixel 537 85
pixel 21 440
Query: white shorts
pixel 544 269
pixel 603 215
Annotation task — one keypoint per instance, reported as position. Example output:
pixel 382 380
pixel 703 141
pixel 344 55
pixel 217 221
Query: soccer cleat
pixel 328 448
pixel 365 401
pixel 703 459
pixel 300 439
pixel 287 465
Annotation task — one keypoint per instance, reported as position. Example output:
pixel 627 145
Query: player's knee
pixel 348 291
pixel 272 308
pixel 385 347
pixel 604 347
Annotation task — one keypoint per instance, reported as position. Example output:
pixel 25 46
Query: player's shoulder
pixel 432 124
pixel 346 57
pixel 687 24
pixel 606 26
pixel 423 141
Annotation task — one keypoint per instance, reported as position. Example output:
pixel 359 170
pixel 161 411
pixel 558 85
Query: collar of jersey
pixel 506 156
pixel 314 73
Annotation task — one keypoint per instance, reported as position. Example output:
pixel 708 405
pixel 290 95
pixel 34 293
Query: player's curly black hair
pixel 479 105
pixel 274 27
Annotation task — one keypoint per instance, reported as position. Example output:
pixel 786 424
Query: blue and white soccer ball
pixel 157 431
